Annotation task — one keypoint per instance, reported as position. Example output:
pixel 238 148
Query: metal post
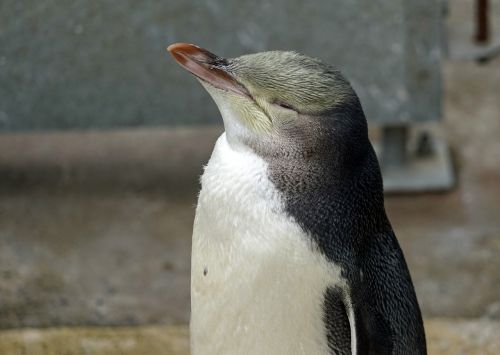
pixel 482 22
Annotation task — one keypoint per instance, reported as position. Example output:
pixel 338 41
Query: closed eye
pixel 284 105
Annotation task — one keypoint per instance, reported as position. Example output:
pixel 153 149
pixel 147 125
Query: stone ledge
pixel 444 336
pixel 141 340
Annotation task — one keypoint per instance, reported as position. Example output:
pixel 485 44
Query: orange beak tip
pixel 187 48
pixel 200 62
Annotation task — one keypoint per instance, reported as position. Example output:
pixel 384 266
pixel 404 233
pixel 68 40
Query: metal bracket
pixel 425 165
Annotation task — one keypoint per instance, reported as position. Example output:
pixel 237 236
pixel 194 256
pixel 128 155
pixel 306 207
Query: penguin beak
pixel 207 67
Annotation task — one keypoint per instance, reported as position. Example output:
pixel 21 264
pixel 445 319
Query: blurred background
pixel 103 138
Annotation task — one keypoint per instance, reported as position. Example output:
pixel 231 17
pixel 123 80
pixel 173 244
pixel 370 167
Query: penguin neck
pixel 331 200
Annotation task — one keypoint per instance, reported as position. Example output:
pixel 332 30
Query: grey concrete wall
pixel 97 64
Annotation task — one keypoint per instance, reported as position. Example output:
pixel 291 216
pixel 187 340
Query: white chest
pixel 257 284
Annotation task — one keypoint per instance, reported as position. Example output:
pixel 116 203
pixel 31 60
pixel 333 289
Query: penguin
pixel 292 250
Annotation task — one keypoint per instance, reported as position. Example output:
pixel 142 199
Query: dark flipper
pixel 336 322
pixel 346 317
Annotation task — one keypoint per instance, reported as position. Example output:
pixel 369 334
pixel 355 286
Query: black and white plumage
pixel 292 249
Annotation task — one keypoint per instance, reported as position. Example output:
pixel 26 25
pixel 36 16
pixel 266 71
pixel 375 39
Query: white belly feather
pixel 257 283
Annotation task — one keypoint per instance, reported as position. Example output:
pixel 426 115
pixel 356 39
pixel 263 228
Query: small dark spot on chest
pixel 205 271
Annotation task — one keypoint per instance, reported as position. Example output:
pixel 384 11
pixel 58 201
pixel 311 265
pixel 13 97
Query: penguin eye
pixel 284 105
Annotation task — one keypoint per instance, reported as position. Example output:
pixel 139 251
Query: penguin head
pixel 278 101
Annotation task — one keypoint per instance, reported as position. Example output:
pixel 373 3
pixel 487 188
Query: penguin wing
pixel 337 322
pixel 370 332
pixel 352 328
